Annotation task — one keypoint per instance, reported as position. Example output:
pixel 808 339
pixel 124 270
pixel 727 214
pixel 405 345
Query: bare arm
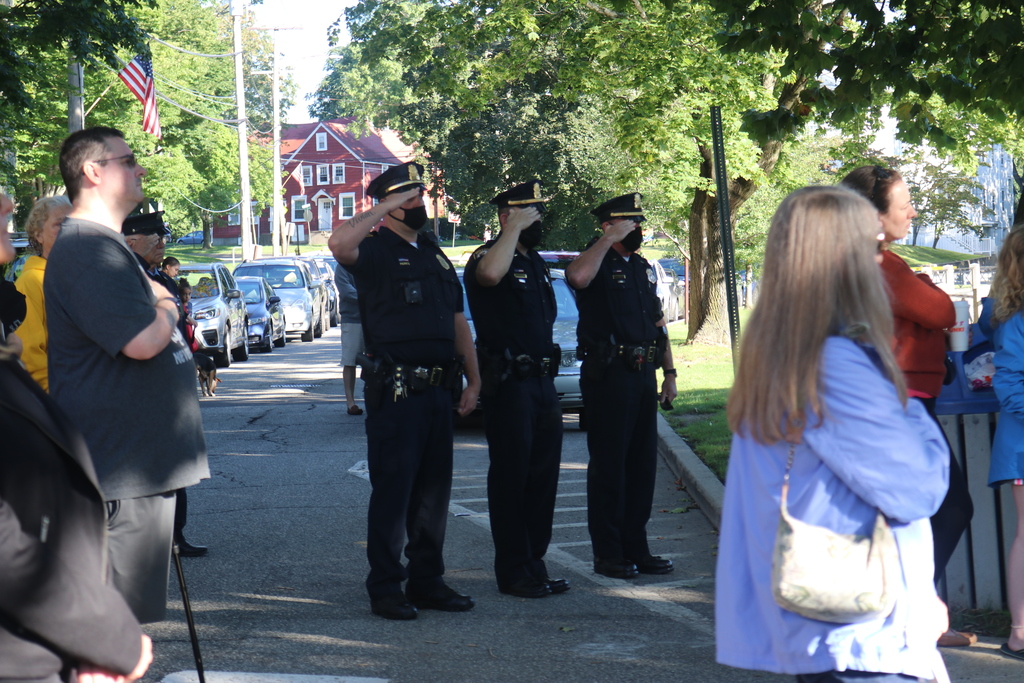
pixel 464 347
pixel 582 271
pixel 496 262
pixel 157 335
pixel 344 241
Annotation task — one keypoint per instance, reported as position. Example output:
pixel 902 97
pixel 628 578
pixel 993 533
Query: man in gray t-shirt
pixel 116 353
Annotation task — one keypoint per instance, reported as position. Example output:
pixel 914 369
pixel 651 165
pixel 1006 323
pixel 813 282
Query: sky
pixel 304 50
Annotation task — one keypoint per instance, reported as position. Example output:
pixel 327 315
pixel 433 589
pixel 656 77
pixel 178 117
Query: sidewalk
pixel 981 663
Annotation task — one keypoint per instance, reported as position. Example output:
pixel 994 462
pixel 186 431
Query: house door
pixel 325 213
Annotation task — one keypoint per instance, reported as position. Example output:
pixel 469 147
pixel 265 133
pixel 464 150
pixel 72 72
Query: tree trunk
pixel 207 230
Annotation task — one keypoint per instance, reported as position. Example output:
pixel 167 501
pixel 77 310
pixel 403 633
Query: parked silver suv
pixel 222 328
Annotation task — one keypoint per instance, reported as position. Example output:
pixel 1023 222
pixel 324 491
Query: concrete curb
pixel 700 482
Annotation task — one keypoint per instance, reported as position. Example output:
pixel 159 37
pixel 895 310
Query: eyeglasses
pixel 128 160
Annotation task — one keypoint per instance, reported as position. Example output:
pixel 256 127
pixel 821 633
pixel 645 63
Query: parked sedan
pixel 325 275
pixel 219 312
pixel 266 314
pixel 327 265
pixel 292 282
pixel 194 237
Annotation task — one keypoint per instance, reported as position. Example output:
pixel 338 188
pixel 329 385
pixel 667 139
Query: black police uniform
pixel 408 298
pixel 522 416
pixel 619 310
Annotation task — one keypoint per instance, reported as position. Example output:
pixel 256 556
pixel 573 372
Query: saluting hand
pixel 619 229
pixel 520 218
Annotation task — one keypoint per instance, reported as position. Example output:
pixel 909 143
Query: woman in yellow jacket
pixel 42 226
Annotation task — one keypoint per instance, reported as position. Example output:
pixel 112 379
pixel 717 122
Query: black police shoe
pixel 186 549
pixel 393 607
pixel 442 598
pixel 652 564
pixel 526 587
pixel 617 569
pixel 557 585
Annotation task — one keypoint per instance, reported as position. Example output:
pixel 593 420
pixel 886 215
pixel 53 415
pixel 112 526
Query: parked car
pixel 670 291
pixel 266 314
pixel 567 382
pixel 558 259
pixel 194 237
pixel 675 273
pixel 292 281
pixel 219 312
pixel 328 264
pixel 326 277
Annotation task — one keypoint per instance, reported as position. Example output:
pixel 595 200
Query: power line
pixel 189 52
pixel 227 210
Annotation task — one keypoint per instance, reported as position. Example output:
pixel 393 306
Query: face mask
pixel 633 240
pixel 531 236
pixel 414 218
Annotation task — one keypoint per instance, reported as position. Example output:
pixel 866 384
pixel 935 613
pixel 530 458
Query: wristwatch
pixel 669 371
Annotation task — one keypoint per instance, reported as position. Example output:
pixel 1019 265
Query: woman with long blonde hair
pixel 1007 464
pixel 816 372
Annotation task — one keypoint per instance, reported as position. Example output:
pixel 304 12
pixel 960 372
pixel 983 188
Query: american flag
pixel 138 76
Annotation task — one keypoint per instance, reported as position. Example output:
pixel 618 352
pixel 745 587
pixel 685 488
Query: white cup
pixel 958 334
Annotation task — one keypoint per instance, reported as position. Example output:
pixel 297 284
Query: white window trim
pixel 341 205
pixel 334 174
pixel 321 142
pixel 298 217
pixel 307 175
pixel 323 174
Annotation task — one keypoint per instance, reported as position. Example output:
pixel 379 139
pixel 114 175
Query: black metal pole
pixel 725 223
pixel 188 613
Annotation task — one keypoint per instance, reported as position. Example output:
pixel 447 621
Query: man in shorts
pixel 351 334
pixel 120 367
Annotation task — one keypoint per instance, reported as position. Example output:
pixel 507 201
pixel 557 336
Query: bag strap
pixel 785 481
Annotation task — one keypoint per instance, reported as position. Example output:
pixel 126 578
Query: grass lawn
pixel 923 256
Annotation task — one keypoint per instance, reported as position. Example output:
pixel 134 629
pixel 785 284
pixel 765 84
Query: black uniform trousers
pixel 523 423
pixel 622 440
pixel 409 453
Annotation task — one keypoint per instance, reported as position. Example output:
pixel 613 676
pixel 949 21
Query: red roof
pixel 378 147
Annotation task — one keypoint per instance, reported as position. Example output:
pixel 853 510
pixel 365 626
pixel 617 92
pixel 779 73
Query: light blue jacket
pixel 1008 445
pixel 868 453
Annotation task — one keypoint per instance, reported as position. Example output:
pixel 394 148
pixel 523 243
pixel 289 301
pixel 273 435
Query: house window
pixel 307 175
pixel 299 209
pixel 321 142
pixel 323 174
pixel 339 174
pixel 346 205
pixel 234 219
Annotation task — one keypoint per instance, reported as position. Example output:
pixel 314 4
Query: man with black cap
pixel 146 234
pixel 622 340
pixel 416 334
pixel 514 308
pixel 115 353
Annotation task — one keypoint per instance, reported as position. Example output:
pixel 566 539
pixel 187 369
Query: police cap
pixel 521 195
pixel 624 206
pixel 145 224
pixel 395 179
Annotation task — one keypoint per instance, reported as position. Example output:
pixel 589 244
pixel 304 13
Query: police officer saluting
pixel 514 308
pixel 622 340
pixel 415 333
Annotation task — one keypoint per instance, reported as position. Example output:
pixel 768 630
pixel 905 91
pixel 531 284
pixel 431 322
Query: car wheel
pixel 222 357
pixel 318 329
pixel 242 352
pixel 335 319
pixel 279 343
pixel 307 334
pixel 267 343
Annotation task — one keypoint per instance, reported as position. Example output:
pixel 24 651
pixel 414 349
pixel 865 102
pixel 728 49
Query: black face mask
pixel 531 236
pixel 414 218
pixel 633 240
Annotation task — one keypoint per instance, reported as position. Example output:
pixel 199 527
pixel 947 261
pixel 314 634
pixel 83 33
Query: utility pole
pixel 237 10
pixel 76 93
pixel 278 207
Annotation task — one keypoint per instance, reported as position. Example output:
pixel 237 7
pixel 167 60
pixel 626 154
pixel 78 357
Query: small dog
pixel 207 370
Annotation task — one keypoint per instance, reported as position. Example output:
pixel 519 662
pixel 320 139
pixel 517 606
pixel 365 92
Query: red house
pixel 327 169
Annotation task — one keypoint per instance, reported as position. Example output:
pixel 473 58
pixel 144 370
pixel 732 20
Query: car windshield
pixel 279 276
pixel 563 297
pixel 204 284
pixel 251 290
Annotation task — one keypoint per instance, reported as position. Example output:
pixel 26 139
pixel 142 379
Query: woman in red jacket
pixel 921 313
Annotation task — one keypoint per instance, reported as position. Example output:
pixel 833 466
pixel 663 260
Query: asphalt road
pixel 281 591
